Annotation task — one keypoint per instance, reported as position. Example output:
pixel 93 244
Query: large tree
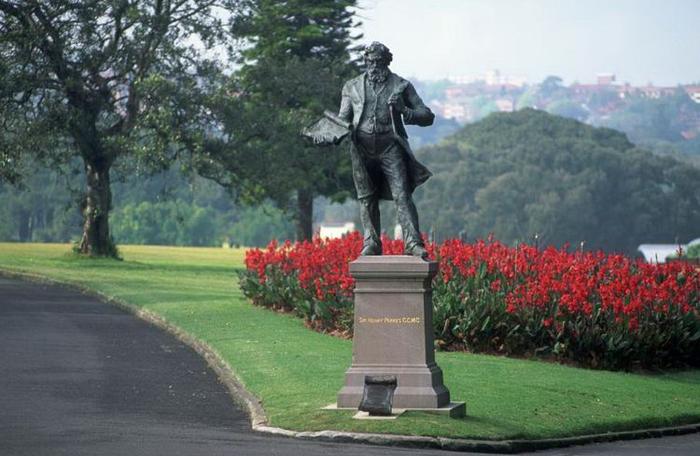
pixel 102 81
pixel 296 56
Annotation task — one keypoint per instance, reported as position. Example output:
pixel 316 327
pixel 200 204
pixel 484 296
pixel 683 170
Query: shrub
pixel 694 251
pixel 591 308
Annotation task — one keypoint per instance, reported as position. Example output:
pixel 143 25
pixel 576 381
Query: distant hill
pixel 529 173
pixel 420 136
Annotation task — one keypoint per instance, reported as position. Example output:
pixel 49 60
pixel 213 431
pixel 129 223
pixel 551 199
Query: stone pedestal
pixel 393 332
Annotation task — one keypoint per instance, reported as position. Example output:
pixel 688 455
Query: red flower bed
pixel 594 309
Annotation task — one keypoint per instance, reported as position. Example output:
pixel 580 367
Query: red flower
pixel 579 294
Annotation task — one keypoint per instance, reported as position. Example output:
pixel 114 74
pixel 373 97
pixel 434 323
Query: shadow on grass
pixel 688 375
pixel 79 261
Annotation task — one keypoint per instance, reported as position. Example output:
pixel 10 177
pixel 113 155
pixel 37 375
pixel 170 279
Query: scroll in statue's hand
pixel 328 130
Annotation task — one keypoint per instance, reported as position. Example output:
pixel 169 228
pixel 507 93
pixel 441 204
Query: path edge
pixel 259 421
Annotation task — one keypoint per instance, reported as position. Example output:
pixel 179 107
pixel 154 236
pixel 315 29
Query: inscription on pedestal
pixel 389 320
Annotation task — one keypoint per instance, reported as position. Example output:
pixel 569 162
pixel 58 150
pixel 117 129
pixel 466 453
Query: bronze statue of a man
pixel 383 164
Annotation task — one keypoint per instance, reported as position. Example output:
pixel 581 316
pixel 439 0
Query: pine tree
pixel 298 54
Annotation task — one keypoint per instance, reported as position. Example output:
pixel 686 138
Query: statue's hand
pixel 396 101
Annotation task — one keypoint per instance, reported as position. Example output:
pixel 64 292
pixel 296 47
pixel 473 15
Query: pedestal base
pixel 453 410
pixel 417 386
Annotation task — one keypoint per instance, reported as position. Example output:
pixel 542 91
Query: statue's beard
pixel 378 74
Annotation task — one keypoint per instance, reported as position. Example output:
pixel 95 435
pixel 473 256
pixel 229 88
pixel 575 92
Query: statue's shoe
pixel 371 248
pixel 417 251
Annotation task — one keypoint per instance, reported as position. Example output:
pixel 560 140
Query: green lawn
pixel 296 371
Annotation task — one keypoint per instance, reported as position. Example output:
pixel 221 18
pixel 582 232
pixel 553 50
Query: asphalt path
pixel 82 377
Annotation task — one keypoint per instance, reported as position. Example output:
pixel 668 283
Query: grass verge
pixel 296 371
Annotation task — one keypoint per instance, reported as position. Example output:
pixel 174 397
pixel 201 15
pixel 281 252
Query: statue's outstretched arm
pixel 416 112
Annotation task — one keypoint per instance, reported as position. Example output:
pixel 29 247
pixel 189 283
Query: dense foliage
pixel 530 174
pixel 42 209
pixel 166 208
pixel 651 120
pixel 694 252
pixel 594 309
pixel 295 58
pixel 171 208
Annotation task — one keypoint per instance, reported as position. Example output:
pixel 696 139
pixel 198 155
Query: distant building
pixel 625 90
pixel 504 105
pixel 584 89
pixel 605 78
pixel 335 230
pixel 657 253
pixel 652 91
pixel 693 92
pixel 607 81
pixel 495 78
pixel 455 92
pixel 455 111
pixel 492 77
pixel 588 89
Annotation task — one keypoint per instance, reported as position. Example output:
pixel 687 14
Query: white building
pixel 657 253
pixel 335 230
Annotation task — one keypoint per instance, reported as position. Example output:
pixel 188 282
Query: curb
pixel 259 421
pixel 482 446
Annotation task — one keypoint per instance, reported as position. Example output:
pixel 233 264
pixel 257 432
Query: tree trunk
pixel 96 240
pixel 305 213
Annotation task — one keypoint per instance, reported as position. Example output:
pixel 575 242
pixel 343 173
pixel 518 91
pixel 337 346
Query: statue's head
pixel 377 60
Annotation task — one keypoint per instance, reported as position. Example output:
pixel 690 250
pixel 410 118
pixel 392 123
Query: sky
pixel 640 41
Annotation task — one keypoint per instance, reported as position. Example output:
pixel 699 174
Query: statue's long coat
pixel 351 110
